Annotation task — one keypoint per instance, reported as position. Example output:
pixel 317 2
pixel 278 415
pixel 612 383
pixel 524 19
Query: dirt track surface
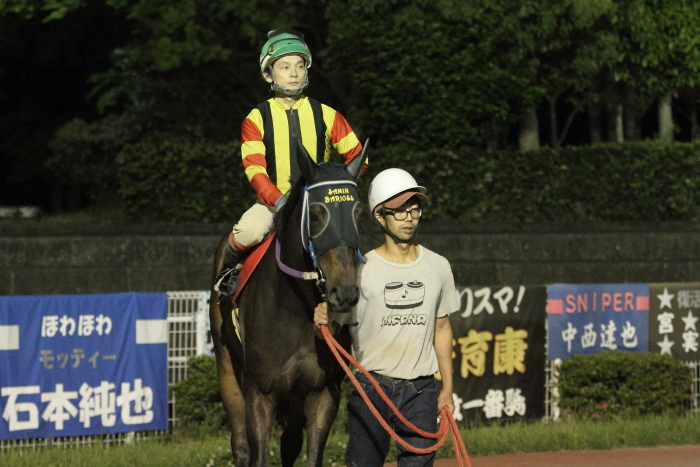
pixel 663 456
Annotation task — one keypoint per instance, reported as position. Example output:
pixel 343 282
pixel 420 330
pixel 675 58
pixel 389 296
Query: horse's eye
pixel 358 213
pixel 318 218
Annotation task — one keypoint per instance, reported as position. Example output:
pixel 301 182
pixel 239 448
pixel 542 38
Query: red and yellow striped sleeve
pixel 342 137
pixel 253 158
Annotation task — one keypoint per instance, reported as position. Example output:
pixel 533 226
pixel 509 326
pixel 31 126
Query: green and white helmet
pixel 282 42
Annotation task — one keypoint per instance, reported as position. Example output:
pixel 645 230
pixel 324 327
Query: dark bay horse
pixel 281 370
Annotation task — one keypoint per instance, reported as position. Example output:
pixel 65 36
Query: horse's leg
pixel 292 438
pixel 259 414
pixel 321 408
pixel 230 392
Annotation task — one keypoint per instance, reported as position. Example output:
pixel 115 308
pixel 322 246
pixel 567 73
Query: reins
pixel 447 421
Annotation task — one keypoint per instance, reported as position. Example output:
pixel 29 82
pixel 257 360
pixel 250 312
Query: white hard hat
pixel 393 187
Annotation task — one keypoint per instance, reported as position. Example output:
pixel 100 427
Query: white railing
pixel 695 387
pixel 188 331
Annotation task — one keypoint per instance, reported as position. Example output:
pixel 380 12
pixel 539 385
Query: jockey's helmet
pixel 283 42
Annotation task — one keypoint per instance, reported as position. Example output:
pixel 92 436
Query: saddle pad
pixel 250 263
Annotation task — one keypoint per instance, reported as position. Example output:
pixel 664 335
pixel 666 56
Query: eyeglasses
pixel 403 215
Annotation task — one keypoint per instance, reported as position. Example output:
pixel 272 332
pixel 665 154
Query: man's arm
pixel 443 350
pixel 253 157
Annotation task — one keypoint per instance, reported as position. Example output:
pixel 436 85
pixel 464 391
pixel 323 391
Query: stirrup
pixel 226 281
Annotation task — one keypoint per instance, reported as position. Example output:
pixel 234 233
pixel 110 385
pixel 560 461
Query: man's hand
pixel 321 314
pixel 445 399
pixel 443 350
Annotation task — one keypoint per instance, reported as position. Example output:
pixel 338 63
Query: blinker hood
pixel 338 199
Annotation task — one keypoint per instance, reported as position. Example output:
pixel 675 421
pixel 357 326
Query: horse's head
pixel 329 227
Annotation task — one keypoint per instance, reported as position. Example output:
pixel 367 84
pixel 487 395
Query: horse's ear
pixel 306 164
pixel 355 166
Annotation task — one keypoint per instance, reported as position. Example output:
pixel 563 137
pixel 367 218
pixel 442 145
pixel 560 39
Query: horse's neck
pixel 291 246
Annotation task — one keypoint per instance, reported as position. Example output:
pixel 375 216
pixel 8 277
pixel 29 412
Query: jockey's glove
pixel 280 202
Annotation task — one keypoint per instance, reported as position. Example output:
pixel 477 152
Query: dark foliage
pixel 612 385
pixel 197 397
pixel 201 181
pixel 183 181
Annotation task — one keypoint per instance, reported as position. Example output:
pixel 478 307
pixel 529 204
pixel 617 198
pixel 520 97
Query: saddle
pixel 250 262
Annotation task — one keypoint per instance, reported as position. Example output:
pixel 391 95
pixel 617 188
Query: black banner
pixel 499 355
pixel 673 320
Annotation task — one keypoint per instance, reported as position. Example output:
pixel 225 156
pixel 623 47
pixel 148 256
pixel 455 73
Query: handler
pixel 269 136
pixel 400 328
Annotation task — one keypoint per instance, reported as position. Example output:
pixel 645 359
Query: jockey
pixel 269 136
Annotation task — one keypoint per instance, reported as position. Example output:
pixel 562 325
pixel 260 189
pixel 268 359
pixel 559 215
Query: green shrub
pixel 183 181
pixel 200 181
pixel 198 403
pixel 611 385
pixel 646 181
pixel 197 400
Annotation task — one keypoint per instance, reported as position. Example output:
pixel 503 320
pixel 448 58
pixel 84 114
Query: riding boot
pixel 227 279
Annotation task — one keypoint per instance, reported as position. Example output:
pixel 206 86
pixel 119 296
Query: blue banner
pixel 80 365
pixel 589 319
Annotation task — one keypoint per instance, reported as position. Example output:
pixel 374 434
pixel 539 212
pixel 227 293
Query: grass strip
pixel 519 437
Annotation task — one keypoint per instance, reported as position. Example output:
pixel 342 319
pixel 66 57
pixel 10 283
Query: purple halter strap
pixel 309 276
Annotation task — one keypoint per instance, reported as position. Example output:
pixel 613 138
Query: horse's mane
pixel 284 215
pixel 327 171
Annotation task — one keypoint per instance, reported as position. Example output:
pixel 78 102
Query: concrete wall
pixel 167 258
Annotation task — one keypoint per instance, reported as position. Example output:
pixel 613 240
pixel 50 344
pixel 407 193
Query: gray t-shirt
pixel 393 324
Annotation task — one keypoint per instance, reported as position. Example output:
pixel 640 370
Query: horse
pixel 279 369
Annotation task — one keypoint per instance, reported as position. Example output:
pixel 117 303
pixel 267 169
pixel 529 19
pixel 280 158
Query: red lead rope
pixel 447 422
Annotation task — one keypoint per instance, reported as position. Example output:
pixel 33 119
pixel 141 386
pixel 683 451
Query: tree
pixel 433 73
pixel 658 53
pixel 420 72
pixel 456 72
pixel 184 68
pixel 44 68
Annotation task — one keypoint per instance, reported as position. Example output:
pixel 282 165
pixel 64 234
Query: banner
pixel 588 319
pixel 500 355
pixel 82 365
pixel 673 320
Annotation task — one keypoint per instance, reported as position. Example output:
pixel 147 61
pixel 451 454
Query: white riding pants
pixel 252 227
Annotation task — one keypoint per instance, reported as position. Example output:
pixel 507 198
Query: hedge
pixel 614 385
pixel 198 403
pixel 183 181
pixel 647 181
pixel 610 385
pixel 197 399
pixel 197 181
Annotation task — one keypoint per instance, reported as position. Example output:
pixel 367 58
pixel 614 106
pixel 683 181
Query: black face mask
pixel 339 201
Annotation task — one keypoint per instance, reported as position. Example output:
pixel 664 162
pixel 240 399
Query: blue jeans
pixel 369 443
